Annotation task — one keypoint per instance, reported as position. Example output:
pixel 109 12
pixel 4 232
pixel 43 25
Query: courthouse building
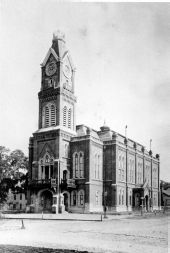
pixel 79 169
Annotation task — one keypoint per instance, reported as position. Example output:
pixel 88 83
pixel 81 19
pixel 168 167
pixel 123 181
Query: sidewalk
pixel 63 216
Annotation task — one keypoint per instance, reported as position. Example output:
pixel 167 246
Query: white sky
pixel 122 55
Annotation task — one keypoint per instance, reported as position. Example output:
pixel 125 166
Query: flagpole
pixel 150 144
pixel 126 131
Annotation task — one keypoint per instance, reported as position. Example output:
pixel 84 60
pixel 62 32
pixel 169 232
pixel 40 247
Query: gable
pixel 50 52
pixel 46 149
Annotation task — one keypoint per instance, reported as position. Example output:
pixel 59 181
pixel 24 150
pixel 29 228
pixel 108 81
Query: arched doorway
pixel 146 202
pixel 66 201
pixel 46 198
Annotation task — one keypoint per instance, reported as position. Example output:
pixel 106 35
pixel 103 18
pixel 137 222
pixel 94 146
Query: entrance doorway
pixel 66 201
pixel 46 201
pixel 147 202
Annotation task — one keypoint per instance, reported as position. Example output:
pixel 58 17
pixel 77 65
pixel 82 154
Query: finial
pixel 58 35
pixel 104 124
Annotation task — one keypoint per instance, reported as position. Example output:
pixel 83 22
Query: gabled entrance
pixel 45 201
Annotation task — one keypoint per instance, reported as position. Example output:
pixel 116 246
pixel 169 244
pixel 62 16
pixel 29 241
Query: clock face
pixel 67 70
pixel 51 68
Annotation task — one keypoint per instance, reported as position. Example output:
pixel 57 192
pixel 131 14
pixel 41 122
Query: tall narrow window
pixel 81 165
pixel 53 115
pixel 76 166
pixel 98 171
pixel 122 197
pixel 97 198
pixel 47 115
pixel 64 116
pixel 69 118
pixel 74 198
pixel 95 166
pixel 81 197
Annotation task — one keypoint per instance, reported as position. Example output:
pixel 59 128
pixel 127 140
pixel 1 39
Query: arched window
pixel 81 162
pixel 119 161
pixel 122 197
pixel 74 198
pixel 47 116
pixel 66 150
pixel 123 170
pixel 53 115
pixel 69 118
pixel 46 167
pixel 81 198
pixel 95 166
pixel 47 159
pixel 65 116
pixel 76 166
pixel 98 169
pixel 97 198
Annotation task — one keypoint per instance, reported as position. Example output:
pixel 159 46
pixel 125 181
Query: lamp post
pixel 142 198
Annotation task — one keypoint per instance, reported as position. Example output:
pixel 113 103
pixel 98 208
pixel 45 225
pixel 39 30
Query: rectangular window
pixel 20 206
pixel 21 196
pixel 14 206
pixel 14 197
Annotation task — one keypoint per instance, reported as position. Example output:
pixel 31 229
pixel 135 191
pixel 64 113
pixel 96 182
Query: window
pixel 21 196
pixel 65 116
pixel 46 167
pixel 14 197
pixel 119 162
pixel 66 150
pixel 98 175
pixel 47 159
pixel 122 197
pixel 76 166
pixel 97 198
pixel 95 166
pixel 81 160
pixel 81 197
pixel 74 197
pixel 130 199
pixel 69 118
pixel 14 206
pixel 47 116
pixel 20 206
pixel 53 116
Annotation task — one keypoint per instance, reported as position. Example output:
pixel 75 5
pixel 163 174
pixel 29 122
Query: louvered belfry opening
pixel 69 118
pixel 53 116
pixel 47 116
pixel 65 116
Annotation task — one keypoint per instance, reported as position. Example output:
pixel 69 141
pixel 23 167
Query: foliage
pixel 13 172
pixel 3 193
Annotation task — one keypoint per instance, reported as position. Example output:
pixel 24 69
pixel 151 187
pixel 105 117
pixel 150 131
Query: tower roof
pixel 58 49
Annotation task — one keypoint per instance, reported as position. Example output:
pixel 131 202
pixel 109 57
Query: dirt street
pixel 130 234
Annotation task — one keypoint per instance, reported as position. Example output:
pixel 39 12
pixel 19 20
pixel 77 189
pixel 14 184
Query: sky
pixel 122 56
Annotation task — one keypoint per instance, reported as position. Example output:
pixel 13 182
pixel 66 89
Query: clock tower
pixel 56 98
pixel 49 148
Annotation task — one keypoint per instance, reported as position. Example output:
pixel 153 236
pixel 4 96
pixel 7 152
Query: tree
pixel 4 161
pixel 13 172
pixel 3 193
